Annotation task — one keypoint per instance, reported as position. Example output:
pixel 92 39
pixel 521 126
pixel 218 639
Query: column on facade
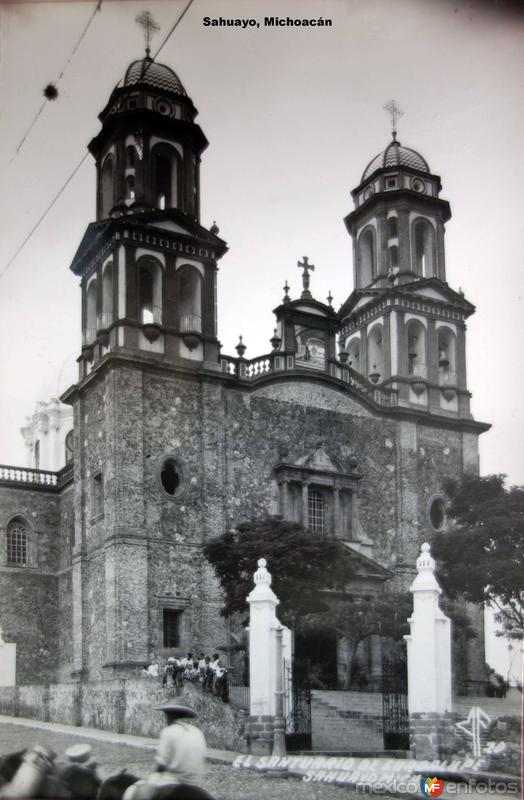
pixel 305 505
pixel 404 240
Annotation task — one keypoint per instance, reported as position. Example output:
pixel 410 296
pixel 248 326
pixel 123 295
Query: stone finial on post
pixel 429 661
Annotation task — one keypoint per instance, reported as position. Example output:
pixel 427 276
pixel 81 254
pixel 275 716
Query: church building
pixel 349 424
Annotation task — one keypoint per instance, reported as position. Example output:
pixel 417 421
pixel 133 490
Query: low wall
pixel 124 706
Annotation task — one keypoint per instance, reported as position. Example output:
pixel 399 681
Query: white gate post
pixel 429 664
pixel 263 625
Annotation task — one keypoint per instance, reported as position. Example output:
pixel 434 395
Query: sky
pixel 293 115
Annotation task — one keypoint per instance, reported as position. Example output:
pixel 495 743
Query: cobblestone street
pixel 224 782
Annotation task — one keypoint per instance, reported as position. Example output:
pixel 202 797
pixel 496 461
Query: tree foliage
pixel 301 565
pixel 481 554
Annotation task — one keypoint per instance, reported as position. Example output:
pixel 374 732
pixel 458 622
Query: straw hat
pixel 176 710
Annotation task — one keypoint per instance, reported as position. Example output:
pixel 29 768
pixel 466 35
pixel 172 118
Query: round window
pixel 437 513
pixel 171 476
pixel 417 185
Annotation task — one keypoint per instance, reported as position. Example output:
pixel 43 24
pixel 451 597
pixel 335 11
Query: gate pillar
pixel 429 665
pixel 263 625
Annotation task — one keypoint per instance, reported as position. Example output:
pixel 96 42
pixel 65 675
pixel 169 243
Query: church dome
pixel 395 155
pixel 157 76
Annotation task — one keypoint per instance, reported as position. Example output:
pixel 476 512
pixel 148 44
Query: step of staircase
pixel 336 726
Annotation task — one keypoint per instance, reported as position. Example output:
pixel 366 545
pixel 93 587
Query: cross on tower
pixel 149 27
pixel 395 112
pixel 306 266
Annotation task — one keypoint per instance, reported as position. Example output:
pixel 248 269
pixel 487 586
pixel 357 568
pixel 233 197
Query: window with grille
pixel 316 516
pixel 172 624
pixel 16 543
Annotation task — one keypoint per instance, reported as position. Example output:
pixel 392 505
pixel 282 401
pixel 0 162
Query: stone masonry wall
pixel 125 706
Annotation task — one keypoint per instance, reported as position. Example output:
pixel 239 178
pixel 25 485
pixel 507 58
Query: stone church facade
pixel 348 425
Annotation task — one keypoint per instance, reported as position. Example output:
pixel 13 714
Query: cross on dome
pixel 395 113
pixel 149 27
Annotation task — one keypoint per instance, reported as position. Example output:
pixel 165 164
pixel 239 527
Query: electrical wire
pixel 75 48
pixel 175 26
pixel 46 212
pixel 73 173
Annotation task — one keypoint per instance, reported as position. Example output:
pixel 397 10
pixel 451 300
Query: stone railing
pixel 284 362
pixel 34 477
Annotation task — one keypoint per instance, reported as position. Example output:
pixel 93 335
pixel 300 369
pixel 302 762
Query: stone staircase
pixel 346 722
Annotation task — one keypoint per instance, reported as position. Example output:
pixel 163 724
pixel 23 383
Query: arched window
pixel 130 188
pixel 423 248
pixel 91 312
pixel 316 511
pixel 166 177
pixel 106 318
pixel 17 543
pixel 417 364
pixel 69 447
pixel 130 157
pixel 392 227
pixel 190 299
pixel 375 355
pixel 149 290
pixel 366 257
pixel 447 357
pixel 37 454
pixel 107 187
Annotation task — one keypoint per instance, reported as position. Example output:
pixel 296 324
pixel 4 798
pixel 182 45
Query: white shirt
pixel 182 750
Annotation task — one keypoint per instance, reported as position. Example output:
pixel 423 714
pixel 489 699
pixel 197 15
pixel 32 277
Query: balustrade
pixel 37 477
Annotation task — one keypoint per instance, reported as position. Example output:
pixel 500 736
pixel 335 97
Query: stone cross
pixel 395 112
pixel 149 26
pixel 306 266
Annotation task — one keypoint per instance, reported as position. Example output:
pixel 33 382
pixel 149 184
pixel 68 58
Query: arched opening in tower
pixel 366 257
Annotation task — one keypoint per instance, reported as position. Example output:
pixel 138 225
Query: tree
pixel 481 554
pixel 302 566
pixel 385 615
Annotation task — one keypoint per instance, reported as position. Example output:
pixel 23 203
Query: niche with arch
pixel 417 363
pixel 91 312
pixel 107 187
pixel 353 349
pixel 447 362
pixel 149 274
pixel 167 177
pixel 423 236
pixel 375 354
pixel 105 318
pixel 366 256
pixel 189 285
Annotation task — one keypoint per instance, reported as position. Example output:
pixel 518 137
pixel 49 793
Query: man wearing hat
pixel 180 757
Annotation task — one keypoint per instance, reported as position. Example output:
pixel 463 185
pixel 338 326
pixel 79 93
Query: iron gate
pixel 395 703
pixel 297 710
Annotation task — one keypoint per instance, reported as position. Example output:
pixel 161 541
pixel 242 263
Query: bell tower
pixel 147 270
pixel 403 327
pixel 147 266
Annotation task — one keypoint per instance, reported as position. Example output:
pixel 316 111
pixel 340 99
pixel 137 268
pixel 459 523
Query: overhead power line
pixel 75 170
pixel 70 57
pixel 44 215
